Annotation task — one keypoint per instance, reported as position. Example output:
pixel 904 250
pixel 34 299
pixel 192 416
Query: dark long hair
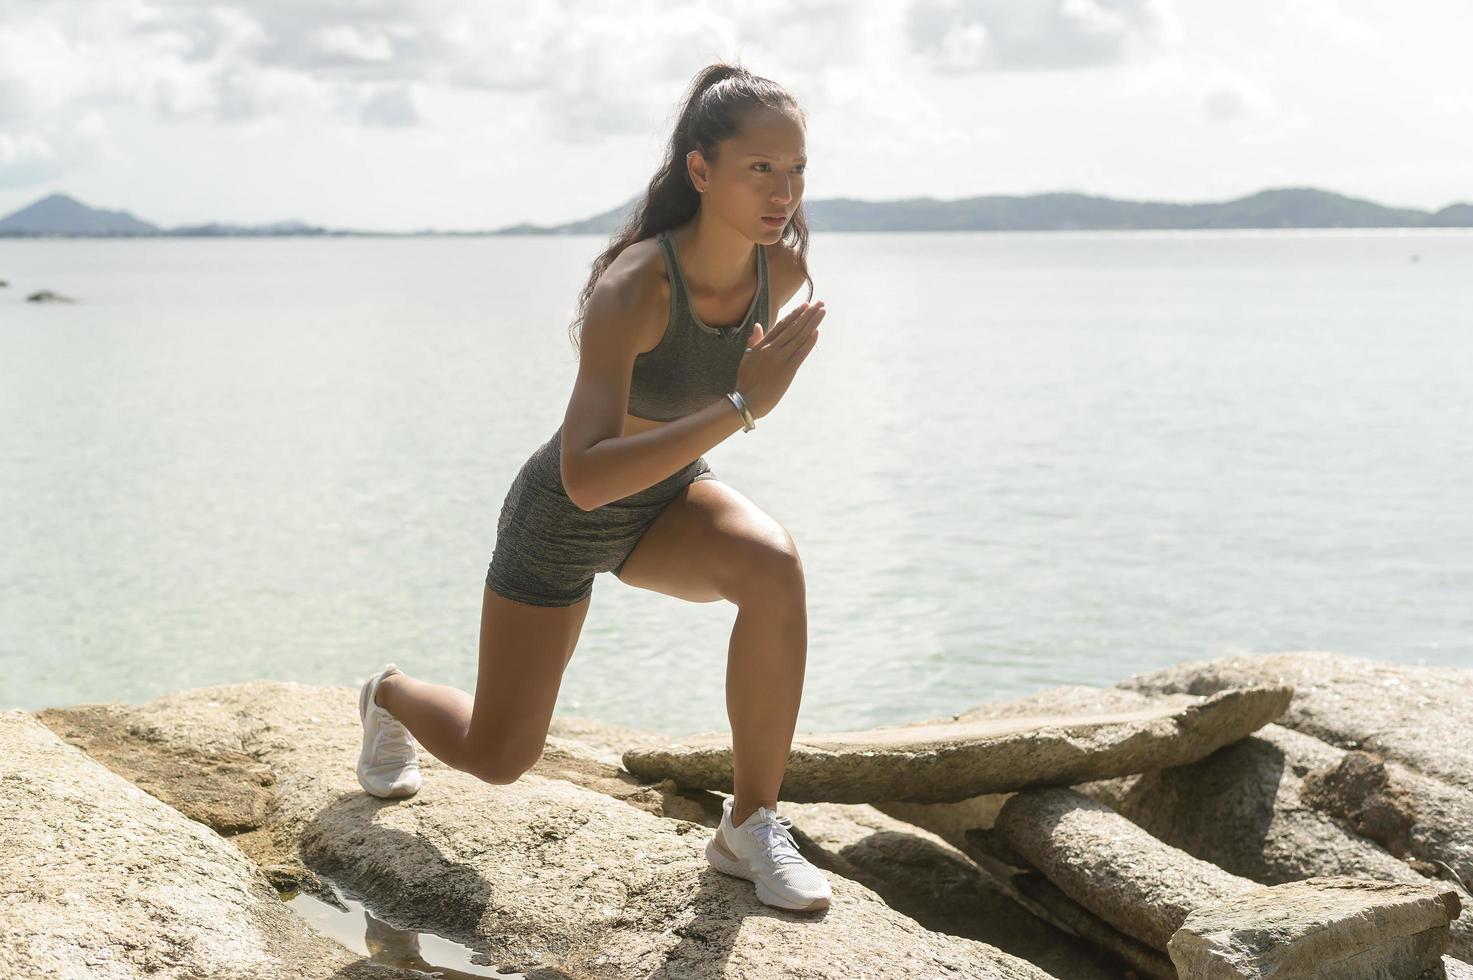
pixel 716 105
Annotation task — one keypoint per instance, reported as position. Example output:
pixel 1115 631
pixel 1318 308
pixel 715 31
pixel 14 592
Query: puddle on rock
pixel 358 930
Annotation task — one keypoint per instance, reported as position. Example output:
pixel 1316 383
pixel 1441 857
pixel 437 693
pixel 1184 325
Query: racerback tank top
pixel 693 365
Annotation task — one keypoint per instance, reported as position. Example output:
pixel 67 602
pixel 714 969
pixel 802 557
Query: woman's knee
pixel 767 569
pixel 503 767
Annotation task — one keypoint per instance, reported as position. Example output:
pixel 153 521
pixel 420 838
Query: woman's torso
pixel 698 342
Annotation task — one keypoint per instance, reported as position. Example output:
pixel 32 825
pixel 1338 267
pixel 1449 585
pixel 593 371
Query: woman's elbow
pixel 573 486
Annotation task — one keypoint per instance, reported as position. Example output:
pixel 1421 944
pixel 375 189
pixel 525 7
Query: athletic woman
pixel 674 358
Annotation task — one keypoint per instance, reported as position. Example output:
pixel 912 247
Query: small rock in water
pixel 47 296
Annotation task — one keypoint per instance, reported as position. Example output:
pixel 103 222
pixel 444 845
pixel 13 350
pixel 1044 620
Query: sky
pixel 400 115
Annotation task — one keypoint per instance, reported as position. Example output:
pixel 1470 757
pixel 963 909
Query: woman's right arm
pixel 599 463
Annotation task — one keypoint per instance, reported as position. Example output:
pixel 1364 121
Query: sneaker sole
pixel 723 860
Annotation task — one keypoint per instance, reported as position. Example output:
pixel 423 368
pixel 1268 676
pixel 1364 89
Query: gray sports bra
pixel 693 365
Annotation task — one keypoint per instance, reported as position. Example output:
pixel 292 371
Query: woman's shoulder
pixel 636 284
pixel 786 272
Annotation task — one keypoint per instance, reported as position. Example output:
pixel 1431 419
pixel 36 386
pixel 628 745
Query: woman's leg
pixel 500 733
pixel 765 662
pixel 710 542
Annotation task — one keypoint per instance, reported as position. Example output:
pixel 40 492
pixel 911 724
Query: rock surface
pixel 1136 883
pixel 1415 715
pixel 543 875
pixel 102 880
pixel 1052 905
pixel 980 751
pixel 1243 809
pixel 1331 928
pixel 923 876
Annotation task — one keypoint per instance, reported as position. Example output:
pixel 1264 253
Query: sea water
pixel 1011 461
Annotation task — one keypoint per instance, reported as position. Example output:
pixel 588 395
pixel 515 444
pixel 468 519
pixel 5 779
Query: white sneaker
pixel 388 764
pixel 763 851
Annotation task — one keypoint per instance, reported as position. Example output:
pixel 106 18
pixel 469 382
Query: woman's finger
pixel 802 318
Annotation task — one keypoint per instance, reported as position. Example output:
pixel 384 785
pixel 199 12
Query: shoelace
pixel 774 833
pixel 395 744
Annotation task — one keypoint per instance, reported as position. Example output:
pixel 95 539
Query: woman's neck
pixel 717 260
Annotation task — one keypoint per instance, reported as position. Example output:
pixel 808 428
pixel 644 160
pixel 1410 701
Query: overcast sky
pixel 407 114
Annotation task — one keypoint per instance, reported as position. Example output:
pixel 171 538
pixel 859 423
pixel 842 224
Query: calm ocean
pixel 1012 461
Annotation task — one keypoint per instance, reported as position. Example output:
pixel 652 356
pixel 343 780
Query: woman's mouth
pixel 775 222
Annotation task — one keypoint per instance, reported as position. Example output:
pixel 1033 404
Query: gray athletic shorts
pixel 548 549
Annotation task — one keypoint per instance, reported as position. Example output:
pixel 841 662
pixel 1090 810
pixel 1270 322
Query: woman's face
pixel 757 173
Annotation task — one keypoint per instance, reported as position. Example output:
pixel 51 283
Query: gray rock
pixel 1139 885
pixel 1054 906
pixel 104 881
pixel 1455 969
pixel 542 875
pixel 981 751
pixel 921 875
pixel 1418 716
pixel 1243 809
pixel 1330 928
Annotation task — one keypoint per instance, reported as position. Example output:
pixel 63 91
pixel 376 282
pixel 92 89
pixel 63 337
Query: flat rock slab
pixel 101 880
pixel 1329 928
pixel 951 760
pixel 543 876
pixel 1416 715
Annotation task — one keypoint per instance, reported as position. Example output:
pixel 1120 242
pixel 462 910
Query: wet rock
pixel 544 874
pixel 981 751
pixel 47 296
pixel 225 790
pixel 1330 928
pixel 103 880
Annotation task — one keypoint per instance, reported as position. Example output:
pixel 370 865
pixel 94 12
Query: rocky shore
pixel 1295 815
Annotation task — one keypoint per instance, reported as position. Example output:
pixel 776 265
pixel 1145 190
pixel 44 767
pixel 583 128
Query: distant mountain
pixel 1289 207
pixel 59 214
pixel 63 215
pixel 274 228
pixel 1453 216
pixel 1293 207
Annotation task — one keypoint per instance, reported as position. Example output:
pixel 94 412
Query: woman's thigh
pixel 711 542
pixel 524 650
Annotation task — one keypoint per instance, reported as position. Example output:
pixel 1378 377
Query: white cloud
pixel 457 113
pixel 985 35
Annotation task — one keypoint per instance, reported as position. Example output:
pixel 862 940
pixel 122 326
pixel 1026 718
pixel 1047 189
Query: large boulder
pixel 102 880
pixel 980 751
pixel 543 876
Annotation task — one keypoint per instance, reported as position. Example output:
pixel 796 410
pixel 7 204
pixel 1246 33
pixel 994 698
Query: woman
pixel 670 365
